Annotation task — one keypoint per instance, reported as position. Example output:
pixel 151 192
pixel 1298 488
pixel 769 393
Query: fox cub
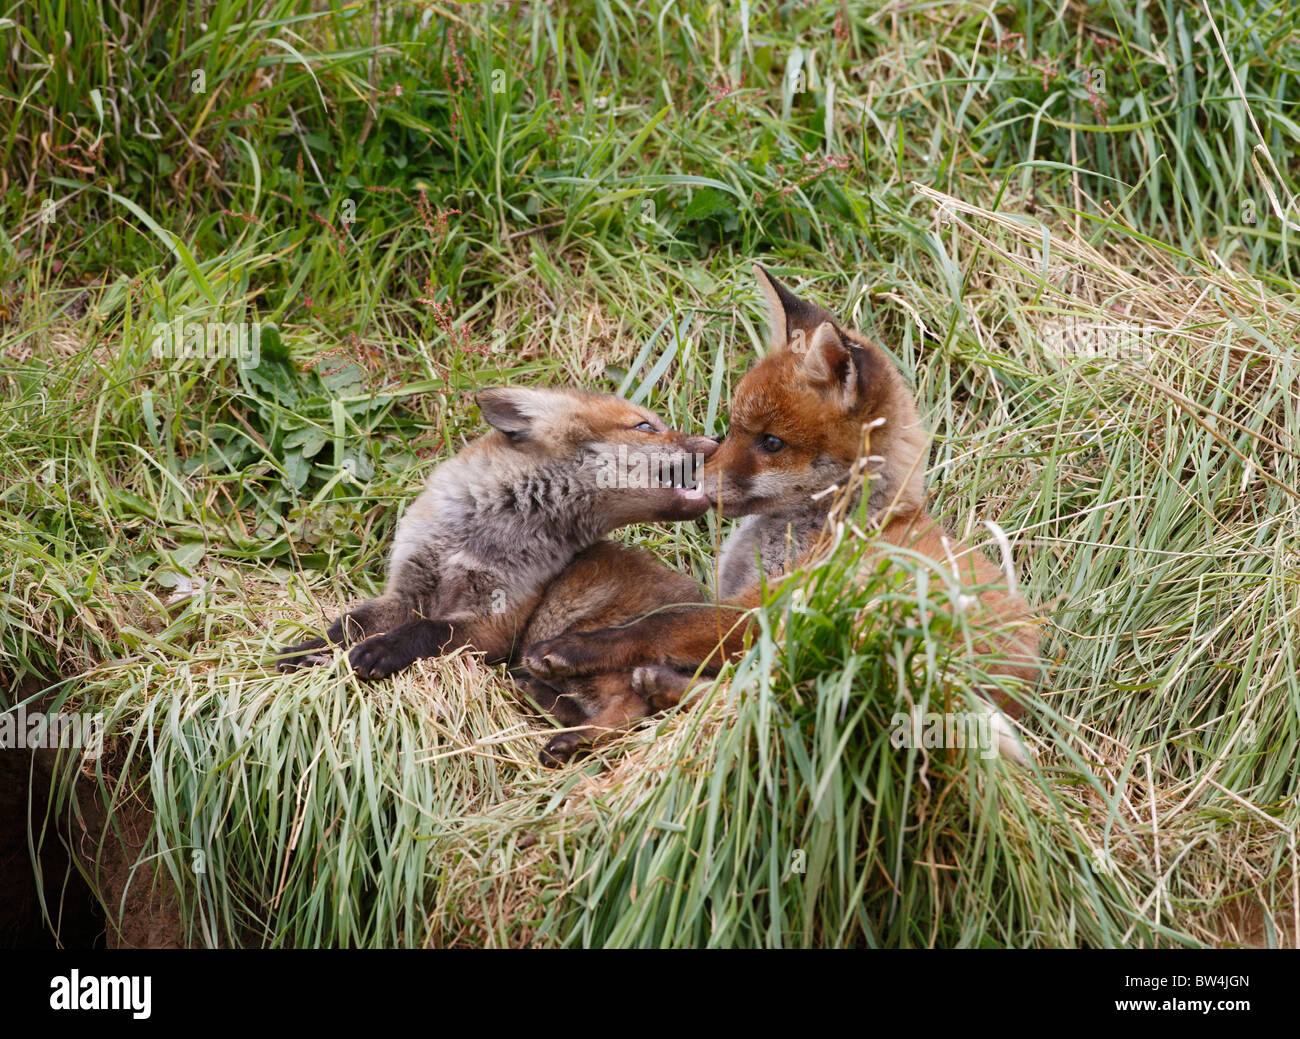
pixel 798 422
pixel 497 522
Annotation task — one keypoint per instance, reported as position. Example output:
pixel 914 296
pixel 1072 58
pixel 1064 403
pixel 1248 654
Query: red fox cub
pixel 505 516
pixel 798 420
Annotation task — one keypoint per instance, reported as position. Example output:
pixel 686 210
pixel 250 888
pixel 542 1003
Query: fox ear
pixel 511 410
pixel 830 364
pixel 787 314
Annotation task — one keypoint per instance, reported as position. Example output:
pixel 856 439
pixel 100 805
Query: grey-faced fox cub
pixel 798 420
pixel 500 520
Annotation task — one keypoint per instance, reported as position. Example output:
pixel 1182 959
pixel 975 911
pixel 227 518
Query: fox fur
pixel 499 521
pixel 609 584
pixel 799 419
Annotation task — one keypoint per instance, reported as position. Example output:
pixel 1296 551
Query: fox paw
pixel 306 661
pixel 562 748
pixel 378 657
pixel 1006 742
pixel 552 660
pixel 312 653
pixel 659 686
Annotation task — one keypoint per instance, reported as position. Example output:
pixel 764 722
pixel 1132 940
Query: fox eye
pixel 645 427
pixel 771 444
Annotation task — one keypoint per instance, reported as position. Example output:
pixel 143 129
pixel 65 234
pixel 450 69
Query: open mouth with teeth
pixel 677 480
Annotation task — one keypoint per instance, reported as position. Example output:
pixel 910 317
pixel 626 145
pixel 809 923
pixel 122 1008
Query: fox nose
pixel 704 446
pixel 719 439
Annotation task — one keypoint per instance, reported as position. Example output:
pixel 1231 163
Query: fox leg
pixel 684 639
pixel 619 708
pixel 371 616
pixel 391 651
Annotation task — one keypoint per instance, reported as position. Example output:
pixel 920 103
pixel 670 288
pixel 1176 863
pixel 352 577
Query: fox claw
pixel 304 662
pixel 378 657
pixel 311 653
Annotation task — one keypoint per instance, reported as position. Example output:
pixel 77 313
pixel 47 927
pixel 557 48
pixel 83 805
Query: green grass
pixel 573 194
